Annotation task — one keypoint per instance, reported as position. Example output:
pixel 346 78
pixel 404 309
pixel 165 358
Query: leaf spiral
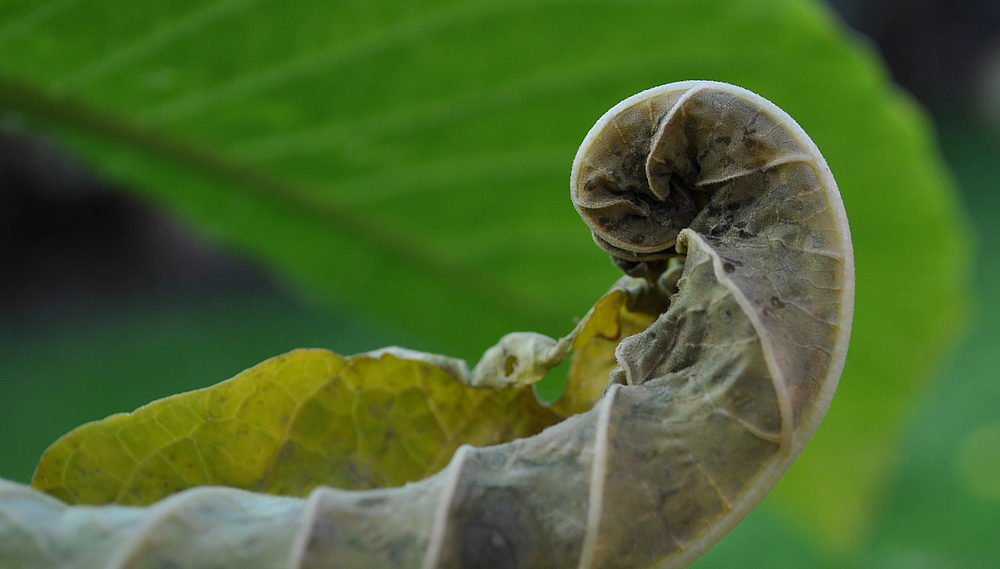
pixel 728 212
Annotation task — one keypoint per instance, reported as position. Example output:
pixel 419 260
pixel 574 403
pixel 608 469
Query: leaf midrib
pixel 61 112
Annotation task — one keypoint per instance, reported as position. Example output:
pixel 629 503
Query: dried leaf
pixel 706 409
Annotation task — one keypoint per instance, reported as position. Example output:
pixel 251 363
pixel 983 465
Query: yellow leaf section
pixel 287 425
pixel 311 417
pixel 608 322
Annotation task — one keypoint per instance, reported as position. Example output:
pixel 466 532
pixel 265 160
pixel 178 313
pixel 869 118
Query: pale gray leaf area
pixel 699 187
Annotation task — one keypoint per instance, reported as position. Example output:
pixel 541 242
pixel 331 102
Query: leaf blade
pixel 285 426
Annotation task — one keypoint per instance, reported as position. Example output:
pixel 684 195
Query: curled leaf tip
pixel 694 384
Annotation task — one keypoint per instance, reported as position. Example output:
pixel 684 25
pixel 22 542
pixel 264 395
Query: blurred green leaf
pixel 936 514
pixel 384 153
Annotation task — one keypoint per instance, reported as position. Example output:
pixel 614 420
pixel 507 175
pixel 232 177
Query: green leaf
pixel 385 153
